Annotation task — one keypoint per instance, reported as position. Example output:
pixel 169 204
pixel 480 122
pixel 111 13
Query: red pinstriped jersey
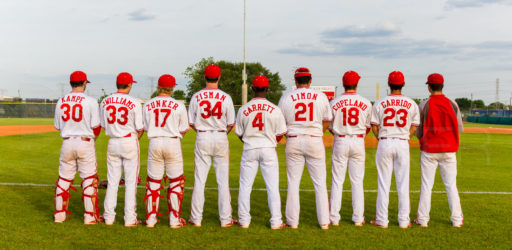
pixel 395 114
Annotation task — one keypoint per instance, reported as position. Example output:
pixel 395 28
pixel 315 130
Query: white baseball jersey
pixel 304 110
pixel 352 114
pixel 121 115
pixel 395 114
pixel 210 110
pixel 165 117
pixel 76 114
pixel 258 123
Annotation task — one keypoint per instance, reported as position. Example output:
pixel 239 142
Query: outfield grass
pixel 26 219
pixel 26 121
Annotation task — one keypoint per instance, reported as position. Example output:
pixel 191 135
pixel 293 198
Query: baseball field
pixel 29 168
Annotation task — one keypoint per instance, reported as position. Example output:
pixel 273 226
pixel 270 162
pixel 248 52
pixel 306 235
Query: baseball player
pixel 394 121
pixel 77 118
pixel 121 117
pixel 165 121
pixel 307 114
pixel 439 141
pixel 212 115
pixel 260 125
pixel 351 122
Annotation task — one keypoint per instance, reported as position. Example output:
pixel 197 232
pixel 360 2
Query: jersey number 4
pixel 75 112
pixel 258 121
pixel 390 114
pixel 301 109
pixel 157 115
pixel 112 117
pixel 208 111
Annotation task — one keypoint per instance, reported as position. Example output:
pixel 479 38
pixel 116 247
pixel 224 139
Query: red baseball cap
pixel 78 76
pixel 350 78
pixel 212 71
pixel 302 72
pixel 396 78
pixel 166 81
pixel 435 78
pixel 260 82
pixel 125 78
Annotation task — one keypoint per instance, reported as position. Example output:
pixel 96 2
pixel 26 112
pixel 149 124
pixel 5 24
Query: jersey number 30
pixel 75 112
pixel 208 111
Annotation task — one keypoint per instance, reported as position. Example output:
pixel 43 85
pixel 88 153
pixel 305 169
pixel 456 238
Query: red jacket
pixel 440 125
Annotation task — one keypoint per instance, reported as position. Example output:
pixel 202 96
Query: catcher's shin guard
pixel 62 195
pixel 176 187
pixel 152 197
pixel 90 196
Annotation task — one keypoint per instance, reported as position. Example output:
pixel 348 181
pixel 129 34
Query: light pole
pixel 244 72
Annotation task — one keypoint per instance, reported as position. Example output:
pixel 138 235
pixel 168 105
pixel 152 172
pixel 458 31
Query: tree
pixel 464 103
pixel 478 104
pixel 496 105
pixel 231 79
pixel 179 94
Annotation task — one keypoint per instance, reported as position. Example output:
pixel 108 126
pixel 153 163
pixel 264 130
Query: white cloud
pixel 140 15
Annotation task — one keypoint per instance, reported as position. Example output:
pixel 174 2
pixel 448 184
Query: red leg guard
pixel 153 195
pixel 94 196
pixel 178 182
pixel 65 196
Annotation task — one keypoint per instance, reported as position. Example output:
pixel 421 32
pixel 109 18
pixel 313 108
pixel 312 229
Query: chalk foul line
pixel 260 189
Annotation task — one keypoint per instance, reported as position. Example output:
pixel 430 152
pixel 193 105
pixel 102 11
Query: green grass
pixel 26 121
pixel 26 220
pixel 485 125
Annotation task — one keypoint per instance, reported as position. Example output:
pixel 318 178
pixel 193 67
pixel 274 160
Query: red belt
pixel 360 136
pixel 220 131
pixel 384 138
pixel 83 138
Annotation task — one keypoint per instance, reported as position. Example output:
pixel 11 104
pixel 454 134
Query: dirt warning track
pixel 25 129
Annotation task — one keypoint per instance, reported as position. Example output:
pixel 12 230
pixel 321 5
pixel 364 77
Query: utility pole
pixel 244 72
pixel 497 92
pixel 377 94
pixel 471 104
pixel 152 80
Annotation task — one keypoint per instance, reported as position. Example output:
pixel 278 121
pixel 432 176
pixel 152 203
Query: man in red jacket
pixel 438 132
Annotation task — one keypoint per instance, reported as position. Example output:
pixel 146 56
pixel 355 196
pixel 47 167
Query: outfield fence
pixel 36 110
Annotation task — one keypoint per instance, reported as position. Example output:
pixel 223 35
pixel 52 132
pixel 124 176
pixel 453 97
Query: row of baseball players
pixel 303 115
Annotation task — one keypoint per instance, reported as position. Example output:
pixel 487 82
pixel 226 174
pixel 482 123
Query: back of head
pixel 396 80
pixel 212 73
pixel 302 76
pixel 77 79
pixel 436 82
pixel 124 80
pixel 350 80
pixel 166 84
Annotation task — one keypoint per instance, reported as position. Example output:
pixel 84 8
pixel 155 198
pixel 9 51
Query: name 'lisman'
pixel 210 95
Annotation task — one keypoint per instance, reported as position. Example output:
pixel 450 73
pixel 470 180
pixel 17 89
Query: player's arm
pixel 375 130
pixel 327 115
pixel 229 128
pixel 140 133
pixel 325 125
pixel 139 124
pixel 56 118
pixel 192 112
pixel 230 115
pixel 412 131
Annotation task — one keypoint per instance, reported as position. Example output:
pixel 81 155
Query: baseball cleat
pixel 359 224
pixel 419 224
pixel 324 227
pixel 278 227
pixel 190 222
pixel 244 226
pixel 92 222
pixel 137 222
pixel 233 222
pixel 458 225
pixel 335 224
pixel 406 226
pixel 108 223
pixel 180 225
pixel 292 226
pixel 377 224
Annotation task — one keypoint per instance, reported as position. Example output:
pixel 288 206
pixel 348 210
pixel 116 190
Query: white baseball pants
pixel 310 150
pixel 211 144
pixel 393 154
pixel 448 168
pixel 164 153
pixel 267 159
pixel 76 154
pixel 348 150
pixel 122 155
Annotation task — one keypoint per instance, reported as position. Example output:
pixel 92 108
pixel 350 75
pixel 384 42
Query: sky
pixel 469 42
